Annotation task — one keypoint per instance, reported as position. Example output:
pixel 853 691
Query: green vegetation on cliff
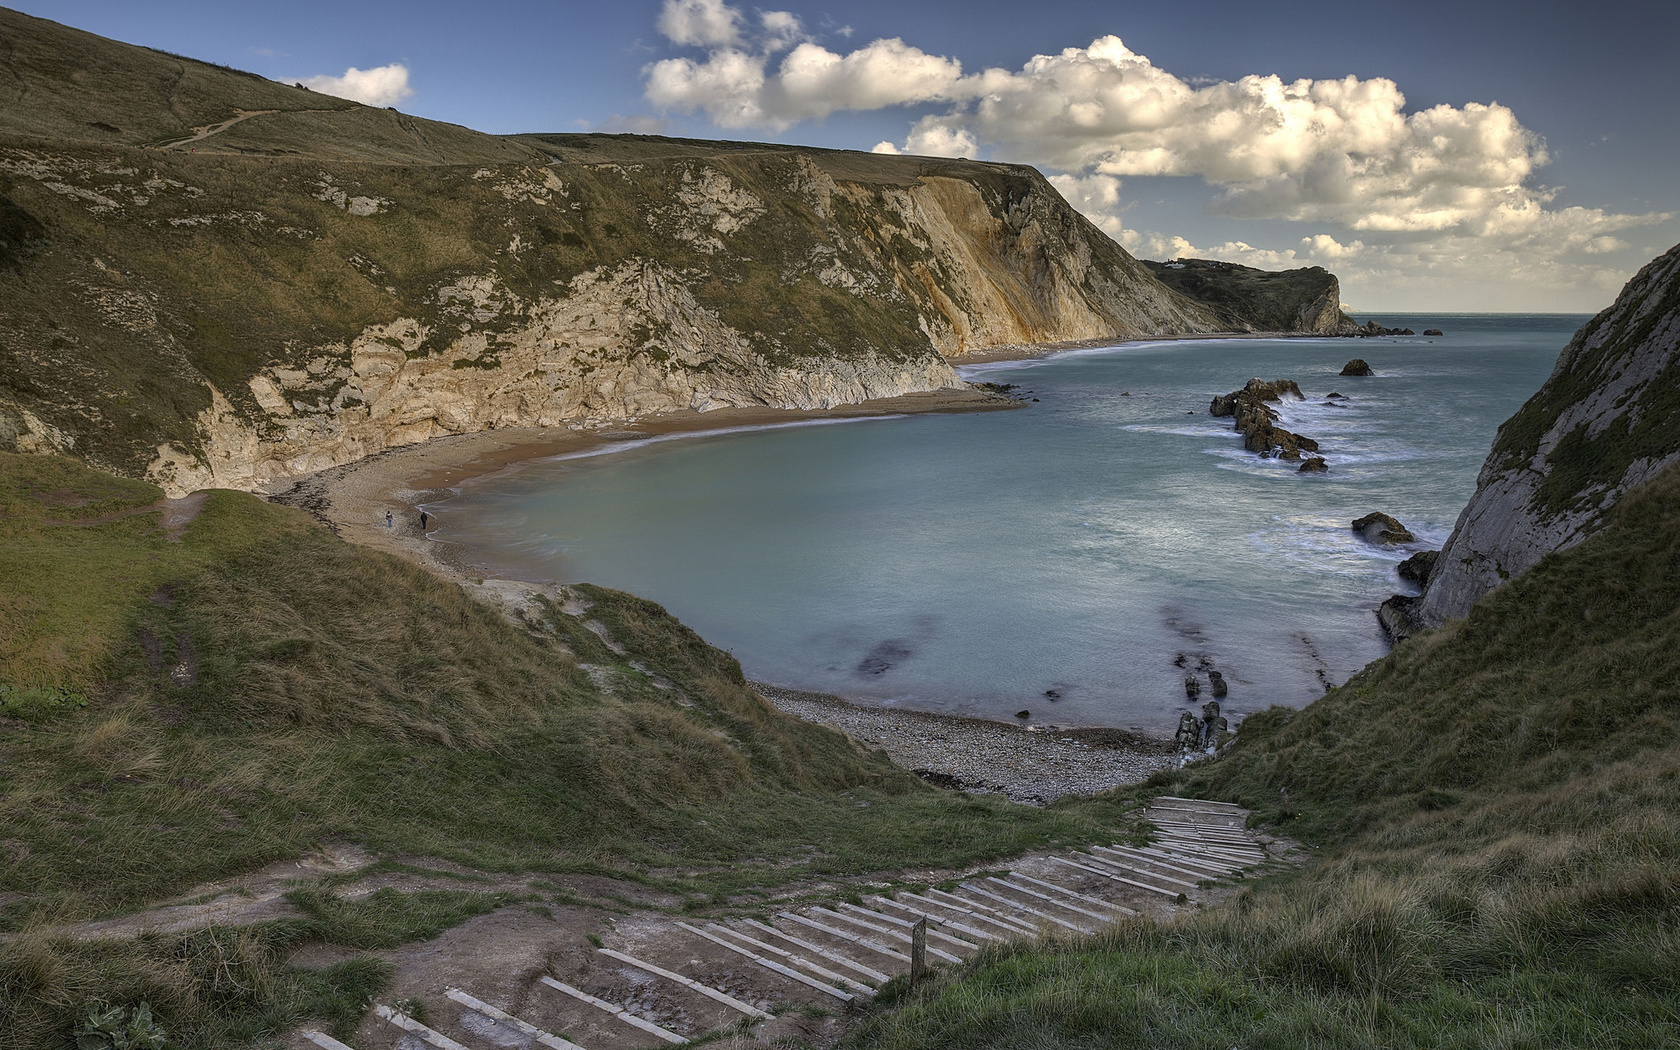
pixel 186 700
pixel 1495 811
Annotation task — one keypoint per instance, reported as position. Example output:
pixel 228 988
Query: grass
pixel 258 688
pixel 1495 811
pixel 225 986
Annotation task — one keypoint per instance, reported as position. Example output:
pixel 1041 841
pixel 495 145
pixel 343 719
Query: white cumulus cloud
pixel 700 23
pixel 1430 192
pixel 380 86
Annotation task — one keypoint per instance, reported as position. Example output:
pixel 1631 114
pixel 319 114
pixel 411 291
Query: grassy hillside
pixel 178 710
pixel 1496 808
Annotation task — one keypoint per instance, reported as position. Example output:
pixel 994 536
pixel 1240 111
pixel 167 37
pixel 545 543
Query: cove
pixel 1074 558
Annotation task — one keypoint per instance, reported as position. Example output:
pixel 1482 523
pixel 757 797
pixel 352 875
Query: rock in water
pixel 1357 367
pixel 1023 714
pixel 1217 680
pixel 1256 420
pixel 1433 331
pixel 1192 688
pixel 1383 530
pixel 1213 729
pixel 1315 465
pixel 1189 731
pixel 1416 568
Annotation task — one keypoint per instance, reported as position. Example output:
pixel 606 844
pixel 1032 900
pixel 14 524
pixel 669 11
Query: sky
pixel 1436 156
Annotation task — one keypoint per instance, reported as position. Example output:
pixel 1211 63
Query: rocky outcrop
pixel 1256 420
pixel 1606 421
pixel 1416 569
pixel 1356 367
pixel 1305 301
pixel 1372 328
pixel 1382 530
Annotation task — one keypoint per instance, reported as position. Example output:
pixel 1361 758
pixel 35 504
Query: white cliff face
pixel 1027 275
pixel 1606 421
pixel 617 345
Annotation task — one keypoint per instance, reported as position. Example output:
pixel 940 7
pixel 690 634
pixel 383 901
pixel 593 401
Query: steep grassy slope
pixel 174 711
pixel 1497 810
pixel 65 85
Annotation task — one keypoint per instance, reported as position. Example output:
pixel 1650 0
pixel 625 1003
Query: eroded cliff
pixel 1606 421
pixel 209 278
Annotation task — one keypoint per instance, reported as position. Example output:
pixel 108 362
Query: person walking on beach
pixel 422 521
pixel 388 522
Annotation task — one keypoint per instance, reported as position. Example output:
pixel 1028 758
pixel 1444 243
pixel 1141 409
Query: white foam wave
pixel 658 439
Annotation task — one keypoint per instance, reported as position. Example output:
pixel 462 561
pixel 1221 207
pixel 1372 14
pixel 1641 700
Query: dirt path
pixel 177 514
pixel 202 133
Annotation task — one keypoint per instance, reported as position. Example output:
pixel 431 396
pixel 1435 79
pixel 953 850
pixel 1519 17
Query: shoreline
pixel 1029 764
pixel 353 498
pixel 1034 765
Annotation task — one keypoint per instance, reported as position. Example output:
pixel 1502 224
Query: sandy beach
pixel 1029 764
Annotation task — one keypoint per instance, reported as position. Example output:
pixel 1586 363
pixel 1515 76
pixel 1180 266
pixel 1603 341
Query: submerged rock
pixel 1217 680
pixel 1315 465
pixel 1382 529
pixel 1357 367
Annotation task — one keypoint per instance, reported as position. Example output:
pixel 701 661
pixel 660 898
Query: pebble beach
pixel 1027 764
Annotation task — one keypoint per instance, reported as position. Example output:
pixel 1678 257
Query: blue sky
pixel 1492 156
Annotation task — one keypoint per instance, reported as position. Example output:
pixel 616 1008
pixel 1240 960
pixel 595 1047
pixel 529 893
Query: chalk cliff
pixel 1606 421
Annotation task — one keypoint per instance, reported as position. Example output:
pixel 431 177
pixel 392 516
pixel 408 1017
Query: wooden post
pixel 918 951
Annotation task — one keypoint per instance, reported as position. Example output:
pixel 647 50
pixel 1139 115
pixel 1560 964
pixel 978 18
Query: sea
pixel 1072 559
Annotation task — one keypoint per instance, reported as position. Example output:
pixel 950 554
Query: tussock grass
pixel 1496 808
pixel 260 688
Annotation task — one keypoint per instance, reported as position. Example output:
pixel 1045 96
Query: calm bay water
pixel 969 563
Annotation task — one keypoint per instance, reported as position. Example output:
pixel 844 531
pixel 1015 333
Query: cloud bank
pixel 380 86
pixel 1343 154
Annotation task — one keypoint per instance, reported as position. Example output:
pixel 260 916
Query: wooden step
pixel 612 1008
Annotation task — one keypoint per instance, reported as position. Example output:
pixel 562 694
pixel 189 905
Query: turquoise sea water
pixel 1083 544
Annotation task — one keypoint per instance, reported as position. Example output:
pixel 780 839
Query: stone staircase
pixel 668 981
